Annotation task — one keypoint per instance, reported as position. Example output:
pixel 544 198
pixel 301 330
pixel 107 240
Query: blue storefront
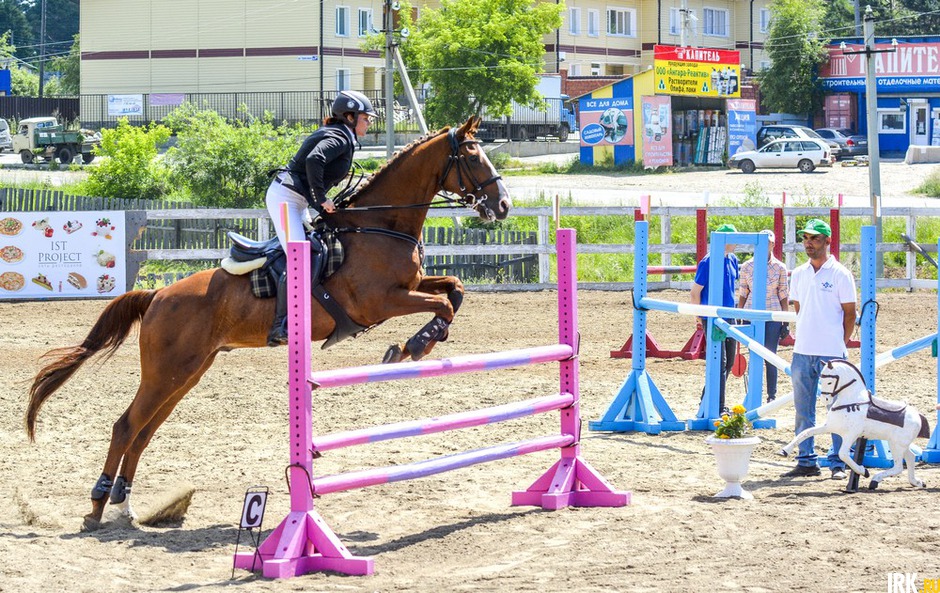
pixel 908 83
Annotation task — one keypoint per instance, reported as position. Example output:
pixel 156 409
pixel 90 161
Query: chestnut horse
pixel 184 326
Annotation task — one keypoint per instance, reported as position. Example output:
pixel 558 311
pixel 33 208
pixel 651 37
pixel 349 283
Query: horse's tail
pixel 924 428
pixel 108 333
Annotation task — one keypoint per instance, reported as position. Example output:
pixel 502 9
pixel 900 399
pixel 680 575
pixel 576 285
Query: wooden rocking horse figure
pixel 854 412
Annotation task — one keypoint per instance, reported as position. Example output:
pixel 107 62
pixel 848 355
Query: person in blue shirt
pixel 699 296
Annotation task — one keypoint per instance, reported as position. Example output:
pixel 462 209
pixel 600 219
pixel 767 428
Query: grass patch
pixel 931 186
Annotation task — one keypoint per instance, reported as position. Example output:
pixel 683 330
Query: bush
pixel 131 169
pixel 223 164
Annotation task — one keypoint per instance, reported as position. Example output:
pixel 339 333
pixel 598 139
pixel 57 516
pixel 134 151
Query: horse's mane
pixel 395 161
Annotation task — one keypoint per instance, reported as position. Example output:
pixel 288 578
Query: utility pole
pixel 858 19
pixel 683 22
pixel 871 108
pixel 42 45
pixel 388 27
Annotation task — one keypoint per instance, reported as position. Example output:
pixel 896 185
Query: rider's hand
pixel 328 206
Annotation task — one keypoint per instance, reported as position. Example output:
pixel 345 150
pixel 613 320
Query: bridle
pixel 837 388
pixel 456 161
pixel 469 199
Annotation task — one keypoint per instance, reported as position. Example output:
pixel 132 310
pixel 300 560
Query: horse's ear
pixel 468 128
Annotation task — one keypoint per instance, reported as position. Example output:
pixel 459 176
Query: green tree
pixel 131 169
pixel 477 53
pixel 69 68
pixel 62 21
pixel 796 50
pixel 14 22
pixel 225 164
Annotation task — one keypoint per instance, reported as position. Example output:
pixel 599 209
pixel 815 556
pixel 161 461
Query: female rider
pixel 322 161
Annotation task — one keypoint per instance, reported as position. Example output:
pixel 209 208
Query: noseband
pixel 458 162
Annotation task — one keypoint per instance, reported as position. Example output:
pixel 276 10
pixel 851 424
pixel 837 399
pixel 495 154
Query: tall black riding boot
pixel 278 334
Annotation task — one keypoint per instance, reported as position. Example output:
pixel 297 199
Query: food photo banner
pixel 46 255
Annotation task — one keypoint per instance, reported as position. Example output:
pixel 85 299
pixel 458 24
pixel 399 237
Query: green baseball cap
pixel 726 228
pixel 815 227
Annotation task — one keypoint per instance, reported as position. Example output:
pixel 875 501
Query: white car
pixel 804 154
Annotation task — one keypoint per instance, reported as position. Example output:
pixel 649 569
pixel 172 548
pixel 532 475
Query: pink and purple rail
pixel 303 543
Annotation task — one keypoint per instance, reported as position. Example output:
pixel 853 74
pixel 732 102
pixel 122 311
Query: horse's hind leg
pixel 909 460
pixel 120 492
pixel 898 466
pixel 159 392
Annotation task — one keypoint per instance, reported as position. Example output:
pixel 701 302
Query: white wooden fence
pixel 545 250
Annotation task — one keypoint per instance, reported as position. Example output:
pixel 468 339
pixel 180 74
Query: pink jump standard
pixel 303 543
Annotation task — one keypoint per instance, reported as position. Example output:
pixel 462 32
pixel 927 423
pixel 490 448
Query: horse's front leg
pixel 845 453
pixel 809 432
pixel 441 295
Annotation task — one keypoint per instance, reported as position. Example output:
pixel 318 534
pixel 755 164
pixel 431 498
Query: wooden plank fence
pixel 210 233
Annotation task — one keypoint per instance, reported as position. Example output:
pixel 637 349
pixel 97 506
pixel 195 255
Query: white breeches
pixel 278 194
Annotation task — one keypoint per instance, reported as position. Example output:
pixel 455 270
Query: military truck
pixel 43 138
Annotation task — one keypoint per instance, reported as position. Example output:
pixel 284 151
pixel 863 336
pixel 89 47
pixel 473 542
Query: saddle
pixel 266 262
pixel 887 412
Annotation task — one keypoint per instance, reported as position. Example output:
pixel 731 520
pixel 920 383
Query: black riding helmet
pixel 352 102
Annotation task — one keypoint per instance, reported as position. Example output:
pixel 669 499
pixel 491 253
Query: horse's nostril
pixel 505 204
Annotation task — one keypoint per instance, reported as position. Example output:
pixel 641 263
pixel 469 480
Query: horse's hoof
pixel 783 453
pixel 393 354
pixel 873 485
pixel 91 523
pixel 867 473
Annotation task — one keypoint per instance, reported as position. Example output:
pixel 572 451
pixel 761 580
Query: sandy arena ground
pixel 454 532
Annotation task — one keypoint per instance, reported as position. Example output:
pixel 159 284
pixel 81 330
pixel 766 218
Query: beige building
pixel 167 48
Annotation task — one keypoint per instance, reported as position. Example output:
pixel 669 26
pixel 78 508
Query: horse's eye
pixel 475 158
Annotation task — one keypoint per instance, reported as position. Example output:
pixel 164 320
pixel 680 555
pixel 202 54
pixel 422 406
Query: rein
pixel 455 161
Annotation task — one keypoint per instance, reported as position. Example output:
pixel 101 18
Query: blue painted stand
pixel 639 406
pixel 931 453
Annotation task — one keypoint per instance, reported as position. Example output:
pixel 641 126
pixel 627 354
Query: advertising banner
pixel 47 255
pixel 606 121
pixel 742 125
pixel 119 105
pixel 907 67
pixel 657 137
pixel 696 71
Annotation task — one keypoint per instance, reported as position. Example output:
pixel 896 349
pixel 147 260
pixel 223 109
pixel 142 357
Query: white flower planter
pixel 733 457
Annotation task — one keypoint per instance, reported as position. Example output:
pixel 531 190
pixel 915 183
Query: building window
pixel 595 69
pixel 716 22
pixel 675 21
pixel 764 64
pixel 594 23
pixel 342 79
pixel 891 121
pixel 574 69
pixel 365 21
pixel 621 22
pixel 342 21
pixel 574 21
pixel 764 20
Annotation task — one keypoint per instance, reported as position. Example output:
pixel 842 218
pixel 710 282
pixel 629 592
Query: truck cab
pixel 43 138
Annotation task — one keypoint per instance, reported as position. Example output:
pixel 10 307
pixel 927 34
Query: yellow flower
pixel 739 409
pixel 724 417
pixel 724 436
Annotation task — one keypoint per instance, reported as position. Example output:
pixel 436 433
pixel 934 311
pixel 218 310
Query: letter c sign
pixel 253 509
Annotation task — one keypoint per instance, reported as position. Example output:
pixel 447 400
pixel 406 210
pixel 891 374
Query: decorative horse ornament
pixel 183 327
pixel 854 412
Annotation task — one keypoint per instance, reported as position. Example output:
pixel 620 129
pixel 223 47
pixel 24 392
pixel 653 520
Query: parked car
pixel 852 144
pixel 768 133
pixel 804 154
pixel 6 140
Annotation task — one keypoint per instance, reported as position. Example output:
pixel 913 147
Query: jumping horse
pixel 183 327
pixel 854 412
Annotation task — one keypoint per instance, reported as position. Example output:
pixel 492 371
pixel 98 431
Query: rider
pixel 322 161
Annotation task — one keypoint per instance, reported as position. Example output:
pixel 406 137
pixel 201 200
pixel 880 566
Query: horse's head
pixel 471 175
pixel 838 375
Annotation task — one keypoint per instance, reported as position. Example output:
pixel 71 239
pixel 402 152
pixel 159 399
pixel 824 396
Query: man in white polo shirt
pixel 823 295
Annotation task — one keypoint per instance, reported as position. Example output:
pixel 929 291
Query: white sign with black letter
pixel 253 509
